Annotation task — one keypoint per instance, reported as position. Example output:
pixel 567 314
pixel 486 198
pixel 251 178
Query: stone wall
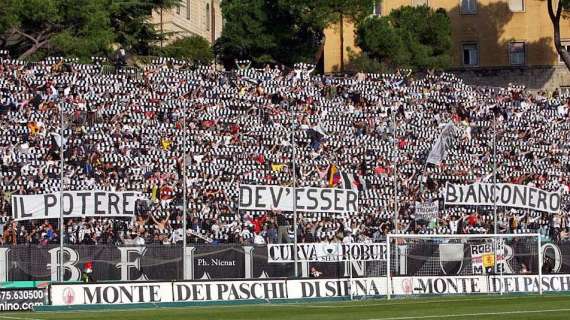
pixel 535 77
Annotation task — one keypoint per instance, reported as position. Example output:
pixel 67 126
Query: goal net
pixel 463 264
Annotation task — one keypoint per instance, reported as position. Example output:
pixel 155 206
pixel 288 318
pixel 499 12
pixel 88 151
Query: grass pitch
pixel 474 307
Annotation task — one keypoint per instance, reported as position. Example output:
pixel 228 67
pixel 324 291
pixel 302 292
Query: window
pixel 417 3
pixel 208 17
pixel 377 10
pixel 178 9
pixel 565 44
pixel 188 9
pixel 517 53
pixel 516 5
pixel 468 6
pixel 470 54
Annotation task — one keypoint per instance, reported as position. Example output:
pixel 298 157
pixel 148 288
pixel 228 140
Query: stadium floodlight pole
pixel 494 173
pixel 294 165
pixel 395 174
pixel 61 186
pixel 184 192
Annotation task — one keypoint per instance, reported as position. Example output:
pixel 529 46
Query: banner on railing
pixel 308 199
pixel 426 210
pixel 276 289
pixel 201 291
pixel 75 204
pixel 326 252
pixel 504 195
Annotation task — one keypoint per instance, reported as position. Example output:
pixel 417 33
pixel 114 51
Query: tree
pixel 76 27
pixel 555 14
pixel 195 48
pixel 266 32
pixel 339 11
pixel 414 37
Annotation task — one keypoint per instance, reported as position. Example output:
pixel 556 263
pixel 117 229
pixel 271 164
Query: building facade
pixel 509 35
pixel 191 17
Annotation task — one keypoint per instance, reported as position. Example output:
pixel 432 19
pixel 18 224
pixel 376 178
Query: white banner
pixel 261 197
pixel 117 293
pixel 426 210
pixel 326 252
pixel 479 284
pixel 195 291
pixel 261 289
pixel 505 195
pixel 75 204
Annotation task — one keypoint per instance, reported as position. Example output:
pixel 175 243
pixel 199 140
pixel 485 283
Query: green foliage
pixel 77 28
pixel 413 37
pixel 195 48
pixel 361 62
pixel 265 32
pixel 281 31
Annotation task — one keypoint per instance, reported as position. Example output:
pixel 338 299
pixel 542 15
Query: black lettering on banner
pixel 24 214
pixel 245 196
pixel 127 202
pixel 15 207
pixel 113 202
pixel 258 197
pixel 337 199
pixel 325 198
pixel 274 200
pixel 183 292
pixel 496 193
pixel 541 203
pixel 505 196
pixel 553 207
pixel 450 193
pixel 154 293
pixel 351 201
pixel 307 289
pixel 520 195
pixel 98 203
pixel 484 193
pixel 531 196
pixel 92 297
pixel 297 192
pixel 83 195
pixel 127 294
pixel 113 295
pixel 312 199
pixel 471 194
pixel 50 200
pixel 69 200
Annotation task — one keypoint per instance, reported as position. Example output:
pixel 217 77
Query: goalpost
pixel 442 264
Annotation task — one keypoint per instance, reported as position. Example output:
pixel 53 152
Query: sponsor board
pixel 271 289
pixel 307 199
pixel 504 195
pixel 21 299
pixel 480 284
pixel 75 204
pixel 117 293
pixel 196 291
pixel 327 252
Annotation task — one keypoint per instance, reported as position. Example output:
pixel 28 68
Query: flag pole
pixel 294 165
pixel 494 172
pixel 184 192
pixel 61 186
pixel 395 162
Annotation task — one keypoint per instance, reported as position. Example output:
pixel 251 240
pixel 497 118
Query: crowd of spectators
pixel 124 131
